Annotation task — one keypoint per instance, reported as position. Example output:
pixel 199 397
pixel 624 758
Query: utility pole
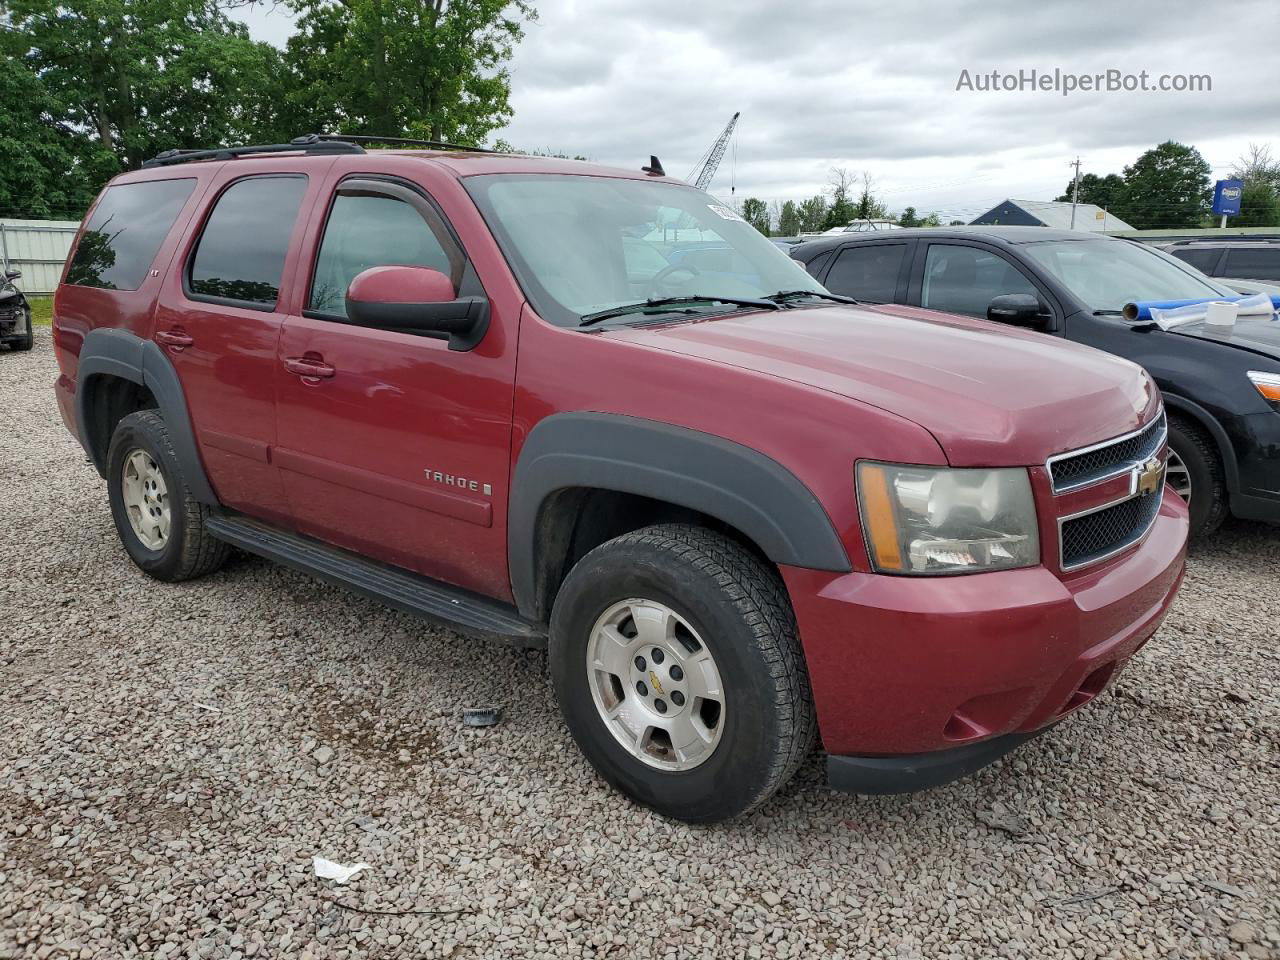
pixel 1075 192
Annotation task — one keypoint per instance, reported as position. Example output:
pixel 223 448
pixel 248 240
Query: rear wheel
pixel 677 666
pixel 161 525
pixel 1195 474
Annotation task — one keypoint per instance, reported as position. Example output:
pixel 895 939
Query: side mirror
pixel 417 300
pixel 1019 310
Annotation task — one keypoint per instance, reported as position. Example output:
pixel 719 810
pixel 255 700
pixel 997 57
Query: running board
pixel 447 605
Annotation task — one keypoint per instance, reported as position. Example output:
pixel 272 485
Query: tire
pixel 725 602
pixel 187 549
pixel 1190 444
pixel 27 341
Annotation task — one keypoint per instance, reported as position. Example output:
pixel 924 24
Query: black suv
pixel 1222 391
pixel 1240 259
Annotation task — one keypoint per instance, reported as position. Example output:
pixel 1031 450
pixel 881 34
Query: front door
pixel 219 321
pixel 389 443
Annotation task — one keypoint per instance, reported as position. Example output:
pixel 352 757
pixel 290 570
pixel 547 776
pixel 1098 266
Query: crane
pixel 711 161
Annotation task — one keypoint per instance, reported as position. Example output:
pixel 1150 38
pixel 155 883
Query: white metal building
pixel 1051 213
pixel 38 248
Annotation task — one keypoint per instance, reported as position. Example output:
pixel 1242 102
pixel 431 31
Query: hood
pixel 1258 334
pixel 990 395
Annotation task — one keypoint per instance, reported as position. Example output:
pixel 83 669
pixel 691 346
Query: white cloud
pixel 872 87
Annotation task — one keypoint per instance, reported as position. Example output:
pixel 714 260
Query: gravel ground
pixel 174 756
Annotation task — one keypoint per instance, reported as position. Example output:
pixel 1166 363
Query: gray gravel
pixel 173 757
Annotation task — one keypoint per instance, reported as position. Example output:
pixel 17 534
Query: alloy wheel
pixel 1178 476
pixel 146 499
pixel 655 685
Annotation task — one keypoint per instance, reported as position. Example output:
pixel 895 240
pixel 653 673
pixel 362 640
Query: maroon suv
pixel 592 409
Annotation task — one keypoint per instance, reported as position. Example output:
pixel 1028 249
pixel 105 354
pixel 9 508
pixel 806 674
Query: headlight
pixel 1267 384
pixel 931 520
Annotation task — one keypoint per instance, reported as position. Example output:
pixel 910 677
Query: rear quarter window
pixel 123 236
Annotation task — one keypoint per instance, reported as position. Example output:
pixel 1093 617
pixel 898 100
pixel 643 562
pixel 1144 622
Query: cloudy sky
pixel 834 83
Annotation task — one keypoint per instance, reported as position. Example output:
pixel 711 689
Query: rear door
pixel 874 271
pixel 219 320
pixel 395 446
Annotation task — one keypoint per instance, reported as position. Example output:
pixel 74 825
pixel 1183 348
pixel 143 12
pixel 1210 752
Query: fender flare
pixel 735 484
pixel 1202 417
pixel 119 353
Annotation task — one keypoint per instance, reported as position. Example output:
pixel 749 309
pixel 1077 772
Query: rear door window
pixel 123 236
pixel 1203 259
pixel 1253 263
pixel 966 279
pixel 867 271
pixel 241 253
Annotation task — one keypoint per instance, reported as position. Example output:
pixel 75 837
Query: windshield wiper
pixel 1108 313
pixel 784 295
pixel 648 306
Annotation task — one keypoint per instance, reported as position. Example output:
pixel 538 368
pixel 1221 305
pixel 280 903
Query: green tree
pixel 47 169
pixel 141 76
pixel 813 214
pixel 1101 191
pixel 1166 187
pixel 841 209
pixel 1259 206
pixel 932 220
pixel 756 213
pixel 433 69
pixel 909 218
pixel 789 224
pixel 1257 166
pixel 868 207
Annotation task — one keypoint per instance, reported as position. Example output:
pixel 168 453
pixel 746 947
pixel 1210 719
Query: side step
pixel 450 606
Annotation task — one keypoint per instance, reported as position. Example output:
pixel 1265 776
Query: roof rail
pixel 311 143
pixel 308 143
pixel 361 138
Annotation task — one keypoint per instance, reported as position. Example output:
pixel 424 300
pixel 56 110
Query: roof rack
pixel 361 138
pixel 311 143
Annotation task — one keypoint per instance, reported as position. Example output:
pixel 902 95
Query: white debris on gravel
pixel 132 825
pixel 337 872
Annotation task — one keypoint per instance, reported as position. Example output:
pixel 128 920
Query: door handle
pixel 177 339
pixel 309 368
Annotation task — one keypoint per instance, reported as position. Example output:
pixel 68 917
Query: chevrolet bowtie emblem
pixel 655 682
pixel 1148 476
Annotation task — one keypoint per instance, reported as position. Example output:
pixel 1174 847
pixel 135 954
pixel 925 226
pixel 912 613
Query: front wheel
pixel 677 666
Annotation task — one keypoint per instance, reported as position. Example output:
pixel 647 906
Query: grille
pixel 1106 460
pixel 1099 534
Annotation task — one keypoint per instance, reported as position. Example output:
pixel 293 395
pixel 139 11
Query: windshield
pixel 1107 274
pixel 581 245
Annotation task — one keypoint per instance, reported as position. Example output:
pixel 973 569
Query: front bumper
pixel 1256 439
pixel 903 666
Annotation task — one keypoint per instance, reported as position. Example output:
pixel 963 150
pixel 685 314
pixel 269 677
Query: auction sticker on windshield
pixel 724 212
